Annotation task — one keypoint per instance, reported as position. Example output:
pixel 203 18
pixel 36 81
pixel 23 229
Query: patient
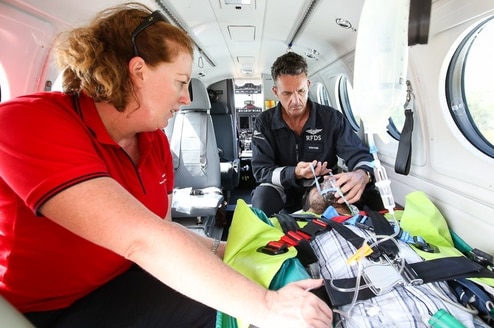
pixel 314 202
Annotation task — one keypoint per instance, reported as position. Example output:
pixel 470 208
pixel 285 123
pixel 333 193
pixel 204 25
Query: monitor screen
pixel 244 122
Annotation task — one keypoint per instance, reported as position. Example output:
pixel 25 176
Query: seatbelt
pixel 300 237
pixel 376 222
pixel 474 254
pixel 404 154
pixel 287 222
pixel 441 269
pixel 382 227
pixel 305 253
pixel 203 135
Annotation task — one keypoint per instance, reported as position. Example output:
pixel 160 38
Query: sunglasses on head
pixel 155 16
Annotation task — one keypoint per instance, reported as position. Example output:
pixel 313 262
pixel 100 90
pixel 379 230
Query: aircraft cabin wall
pixel 25 47
pixel 456 176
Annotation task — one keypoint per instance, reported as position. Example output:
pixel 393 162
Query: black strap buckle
pixel 423 245
pixel 481 257
pixel 273 248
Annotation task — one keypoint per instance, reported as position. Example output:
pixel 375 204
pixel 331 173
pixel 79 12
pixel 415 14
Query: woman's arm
pixel 101 211
pixel 168 216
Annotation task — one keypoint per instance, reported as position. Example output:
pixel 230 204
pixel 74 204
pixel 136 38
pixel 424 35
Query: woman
pixel 85 193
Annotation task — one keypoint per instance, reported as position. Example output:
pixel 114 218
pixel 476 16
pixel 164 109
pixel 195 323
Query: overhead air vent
pixel 247 70
pixel 246 64
pixel 242 33
pixel 245 60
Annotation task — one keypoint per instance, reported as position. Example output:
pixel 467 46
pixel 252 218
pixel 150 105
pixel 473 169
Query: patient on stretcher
pixel 314 202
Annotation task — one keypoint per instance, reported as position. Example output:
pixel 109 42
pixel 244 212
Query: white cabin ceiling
pixel 263 30
pixel 237 41
pixel 241 41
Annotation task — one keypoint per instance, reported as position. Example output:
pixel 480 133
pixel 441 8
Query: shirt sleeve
pixel 351 148
pixel 44 148
pixel 264 167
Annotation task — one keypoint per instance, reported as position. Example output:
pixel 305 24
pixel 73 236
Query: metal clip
pixel 410 97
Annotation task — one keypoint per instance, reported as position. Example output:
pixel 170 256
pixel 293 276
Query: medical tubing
pixel 335 187
pixel 357 288
pixel 376 240
pixel 338 190
pixel 315 178
pixel 384 186
pixel 380 321
pixel 347 315
pixel 435 322
pixel 382 182
pixel 443 319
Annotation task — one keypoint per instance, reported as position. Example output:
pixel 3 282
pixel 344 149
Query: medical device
pixel 381 59
pixel 330 189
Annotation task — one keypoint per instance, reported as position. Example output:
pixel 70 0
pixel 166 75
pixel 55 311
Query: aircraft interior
pixel 413 79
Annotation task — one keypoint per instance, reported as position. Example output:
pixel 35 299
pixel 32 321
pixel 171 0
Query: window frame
pixel 345 102
pixel 455 92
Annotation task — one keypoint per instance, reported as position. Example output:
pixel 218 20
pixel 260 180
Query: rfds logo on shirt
pixel 313 135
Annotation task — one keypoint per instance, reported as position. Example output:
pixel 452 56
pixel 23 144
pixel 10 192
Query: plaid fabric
pixel 402 306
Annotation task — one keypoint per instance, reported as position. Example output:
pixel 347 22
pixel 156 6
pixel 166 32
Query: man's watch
pixel 368 176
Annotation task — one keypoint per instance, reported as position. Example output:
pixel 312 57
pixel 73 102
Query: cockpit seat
pixel 197 191
pixel 226 139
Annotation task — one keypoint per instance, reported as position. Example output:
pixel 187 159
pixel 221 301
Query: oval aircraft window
pixel 469 87
pixel 346 99
pixel 319 94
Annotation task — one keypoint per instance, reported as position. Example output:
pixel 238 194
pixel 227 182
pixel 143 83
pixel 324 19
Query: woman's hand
pixel 295 306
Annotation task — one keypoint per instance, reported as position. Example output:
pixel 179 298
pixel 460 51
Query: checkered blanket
pixel 402 306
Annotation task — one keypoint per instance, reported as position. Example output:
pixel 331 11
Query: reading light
pixel 345 23
pixel 238 2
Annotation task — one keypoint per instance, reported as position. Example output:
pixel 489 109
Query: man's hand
pixel 352 185
pixel 304 171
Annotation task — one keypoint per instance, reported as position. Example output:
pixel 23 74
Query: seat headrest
pixel 219 108
pixel 198 95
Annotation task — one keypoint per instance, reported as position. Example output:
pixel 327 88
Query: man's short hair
pixel 289 63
